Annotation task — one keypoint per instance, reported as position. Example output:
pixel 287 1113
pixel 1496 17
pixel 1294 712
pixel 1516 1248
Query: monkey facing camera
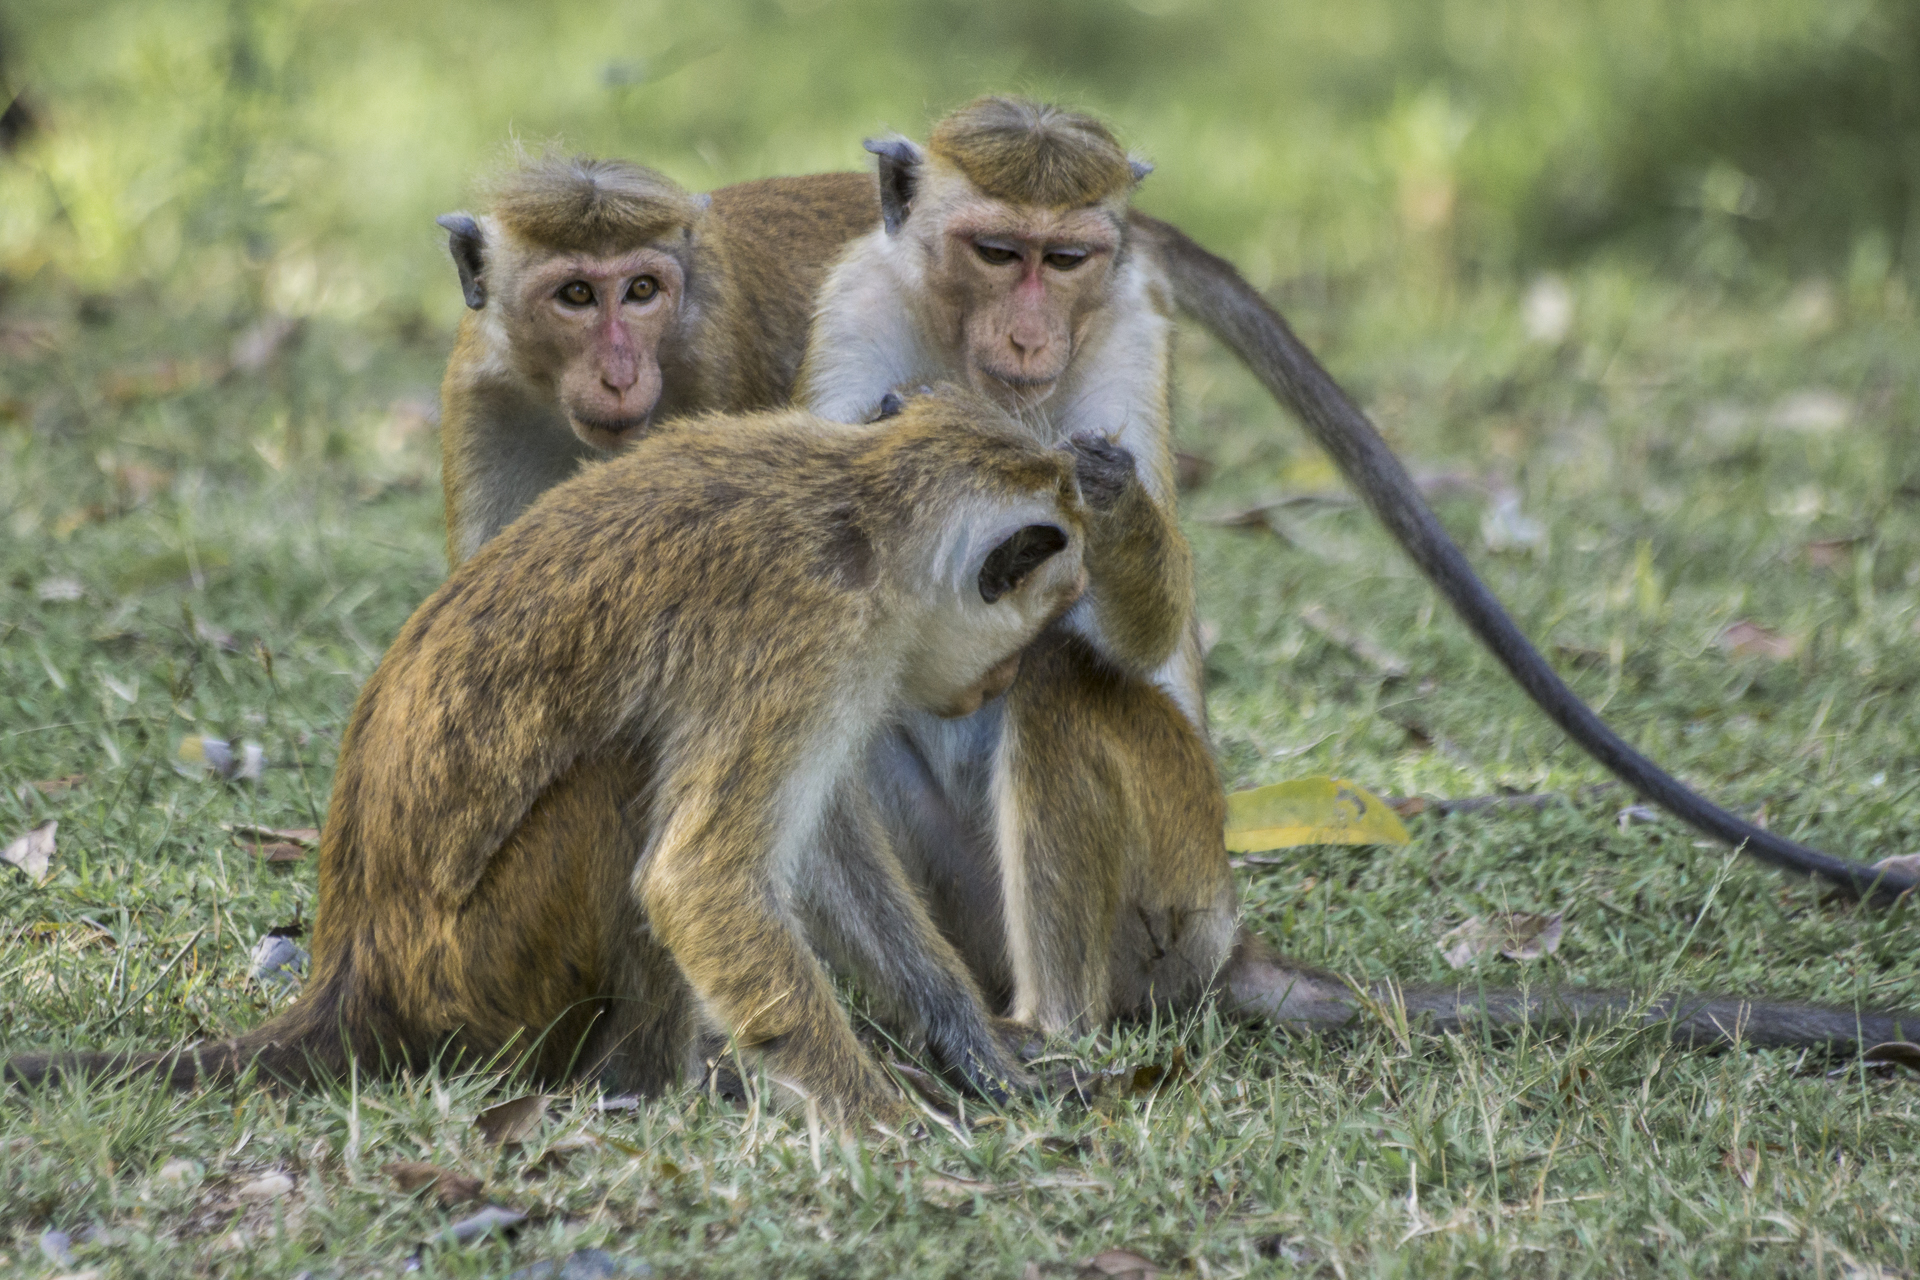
pixel 581 819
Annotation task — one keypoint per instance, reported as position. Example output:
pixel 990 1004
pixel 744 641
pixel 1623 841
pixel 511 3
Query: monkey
pixel 956 785
pixel 599 792
pixel 749 257
pixel 1008 258
pixel 602 297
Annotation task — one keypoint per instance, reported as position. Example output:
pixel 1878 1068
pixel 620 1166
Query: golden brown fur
pixel 597 793
pixel 1031 153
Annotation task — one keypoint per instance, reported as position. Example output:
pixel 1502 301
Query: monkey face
pixel 594 326
pixel 968 653
pixel 1019 285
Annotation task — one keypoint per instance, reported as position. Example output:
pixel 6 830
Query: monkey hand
pixel 1104 468
pixel 896 400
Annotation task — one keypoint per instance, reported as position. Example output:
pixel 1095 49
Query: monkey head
pixel 1017 213
pixel 584 267
pixel 1003 563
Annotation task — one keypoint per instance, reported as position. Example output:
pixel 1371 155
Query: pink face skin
pixel 599 322
pixel 1021 285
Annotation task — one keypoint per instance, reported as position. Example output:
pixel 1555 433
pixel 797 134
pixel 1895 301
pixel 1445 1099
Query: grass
pixel 243 546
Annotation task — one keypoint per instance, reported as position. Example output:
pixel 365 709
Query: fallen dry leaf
pixel 448 1187
pixel 268 1186
pixel 1118 1264
pixel 280 851
pixel 52 788
pixel 950 1192
pixel 33 852
pixel 511 1121
pixel 1750 639
pixel 493 1218
pixel 1304 811
pixel 1390 665
pixel 1903 1053
pixel 245 833
pixel 1906 864
pixel 1516 935
pixel 59 590
pixel 561 1150
pixel 1743 1164
pixel 276 961
pixel 1190 470
pixel 1505 528
pixel 1830 553
pixel 198 754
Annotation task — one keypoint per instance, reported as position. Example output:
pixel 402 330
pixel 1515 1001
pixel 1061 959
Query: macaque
pixel 1008 259
pixel 605 792
pixel 604 299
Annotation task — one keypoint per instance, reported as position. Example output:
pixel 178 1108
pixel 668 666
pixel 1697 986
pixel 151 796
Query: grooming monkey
pixel 606 784
pixel 602 298
pixel 1145 900
pixel 677 303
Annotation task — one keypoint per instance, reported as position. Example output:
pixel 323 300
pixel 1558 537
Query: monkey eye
pixel 576 293
pixel 998 254
pixel 1064 259
pixel 642 289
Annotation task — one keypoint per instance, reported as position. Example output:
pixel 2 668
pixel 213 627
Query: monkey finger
pixel 1104 468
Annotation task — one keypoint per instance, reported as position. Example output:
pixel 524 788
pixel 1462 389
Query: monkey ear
pixel 468 248
pixel 1009 564
pixel 899 165
pixel 1141 168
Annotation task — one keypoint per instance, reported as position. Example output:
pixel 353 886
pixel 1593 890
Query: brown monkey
pixel 602 298
pixel 1008 258
pixel 598 789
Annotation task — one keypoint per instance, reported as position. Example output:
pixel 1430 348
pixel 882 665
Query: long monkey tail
pixel 303 1044
pixel 1212 292
pixel 1257 984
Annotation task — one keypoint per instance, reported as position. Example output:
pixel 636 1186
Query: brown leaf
pixel 1750 639
pixel 1902 1052
pixel 1119 1264
pixel 1517 935
pixel 1390 665
pixel 246 833
pixel 1830 553
pixel 1743 1164
pixel 268 1186
pixel 53 788
pixel 448 1188
pixel 950 1192
pixel 33 852
pixel 511 1121
pixel 278 852
pixel 1407 806
pixel 1906 864
pixel 559 1151
pixel 490 1220
pixel 1190 470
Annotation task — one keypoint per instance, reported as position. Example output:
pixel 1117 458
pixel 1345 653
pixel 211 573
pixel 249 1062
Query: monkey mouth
pixel 610 433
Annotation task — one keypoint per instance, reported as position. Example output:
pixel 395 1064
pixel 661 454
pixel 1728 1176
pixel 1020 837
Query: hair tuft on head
pixel 577 204
pixel 1030 153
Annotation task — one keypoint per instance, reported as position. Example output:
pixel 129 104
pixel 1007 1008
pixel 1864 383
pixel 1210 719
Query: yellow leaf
pixel 1309 811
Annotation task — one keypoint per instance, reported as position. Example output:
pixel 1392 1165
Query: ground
pixel 1704 503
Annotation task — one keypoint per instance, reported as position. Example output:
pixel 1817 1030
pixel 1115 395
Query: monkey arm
pixel 864 914
pixel 712 890
pixel 1139 567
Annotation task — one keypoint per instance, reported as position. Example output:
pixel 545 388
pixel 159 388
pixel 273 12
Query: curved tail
pixel 1260 985
pixel 1212 292
pixel 302 1045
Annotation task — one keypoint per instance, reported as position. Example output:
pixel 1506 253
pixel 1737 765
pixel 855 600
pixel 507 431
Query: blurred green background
pixel 292 155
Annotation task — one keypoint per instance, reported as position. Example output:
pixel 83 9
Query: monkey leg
pixel 862 910
pixel 930 780
pixel 713 889
pixel 1109 814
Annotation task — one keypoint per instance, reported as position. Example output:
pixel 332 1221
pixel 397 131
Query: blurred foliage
pixel 290 155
